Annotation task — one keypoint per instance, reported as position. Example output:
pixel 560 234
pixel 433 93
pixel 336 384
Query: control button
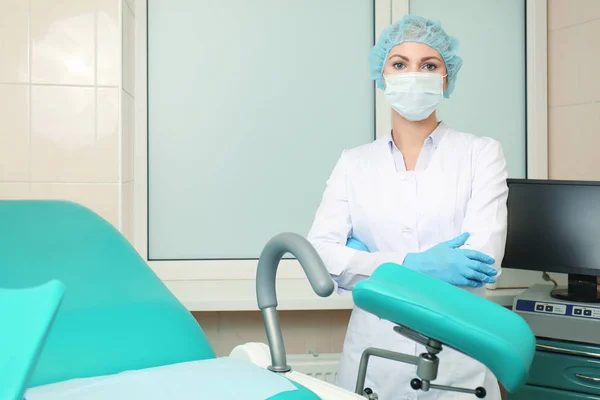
pixel 549 308
pixel 577 311
pixel 587 313
pixel 539 307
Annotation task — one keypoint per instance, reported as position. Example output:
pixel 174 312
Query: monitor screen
pixel 553 226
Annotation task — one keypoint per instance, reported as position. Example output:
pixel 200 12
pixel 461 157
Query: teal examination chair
pixel 120 334
pixel 27 315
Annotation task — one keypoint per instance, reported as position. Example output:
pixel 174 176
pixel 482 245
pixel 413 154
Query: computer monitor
pixel 554 226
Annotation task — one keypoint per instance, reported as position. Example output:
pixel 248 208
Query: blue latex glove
pixel 459 267
pixel 356 245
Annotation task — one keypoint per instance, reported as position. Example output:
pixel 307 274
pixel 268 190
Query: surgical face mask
pixel 414 95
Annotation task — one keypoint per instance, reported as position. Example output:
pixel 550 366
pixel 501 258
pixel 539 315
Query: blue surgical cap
pixel 412 28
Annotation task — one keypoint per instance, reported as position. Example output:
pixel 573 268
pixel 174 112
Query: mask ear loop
pixel 444 90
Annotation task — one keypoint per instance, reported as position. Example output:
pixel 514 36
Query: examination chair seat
pixel 487 332
pixel 27 315
pixel 116 315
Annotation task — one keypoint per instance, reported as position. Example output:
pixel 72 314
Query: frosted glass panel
pixel 490 95
pixel 250 105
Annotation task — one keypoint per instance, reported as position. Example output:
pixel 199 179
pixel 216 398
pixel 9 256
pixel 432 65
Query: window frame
pixel 227 285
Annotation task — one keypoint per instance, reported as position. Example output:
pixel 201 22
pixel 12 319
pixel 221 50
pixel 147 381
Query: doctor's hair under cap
pixel 413 28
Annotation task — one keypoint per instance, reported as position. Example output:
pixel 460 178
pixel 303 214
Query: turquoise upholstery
pixel 487 332
pixel 301 394
pixel 116 315
pixel 27 315
pixel 219 378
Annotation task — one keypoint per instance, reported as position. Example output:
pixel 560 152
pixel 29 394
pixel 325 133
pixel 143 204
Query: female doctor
pixel 426 197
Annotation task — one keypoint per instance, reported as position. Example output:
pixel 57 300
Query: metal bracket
pixel 427 365
pixel 418 384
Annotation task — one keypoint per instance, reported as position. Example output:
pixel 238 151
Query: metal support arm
pixel 372 351
pixel 427 365
pixel 266 294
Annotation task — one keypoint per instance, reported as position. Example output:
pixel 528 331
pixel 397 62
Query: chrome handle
pixel 587 378
pixel 266 295
pixel 553 349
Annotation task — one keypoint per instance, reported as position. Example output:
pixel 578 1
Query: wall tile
pixel 14 191
pixel 127 210
pixel 562 13
pixel 306 331
pixel 303 331
pixel 14 132
pixel 209 322
pixel 237 328
pixel 69 110
pixel 127 139
pixel 101 198
pixel 564 141
pixel 563 56
pixel 14 41
pixel 339 325
pixel 589 57
pixel 128 50
pixel 108 111
pixel 586 155
pixel 588 9
pixel 109 43
pixel 63 41
pixel 106 151
pixel 65 144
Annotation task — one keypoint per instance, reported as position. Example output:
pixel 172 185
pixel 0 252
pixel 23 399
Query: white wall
pixel 60 112
pixel 574 89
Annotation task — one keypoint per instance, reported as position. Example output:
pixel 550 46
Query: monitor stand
pixel 582 289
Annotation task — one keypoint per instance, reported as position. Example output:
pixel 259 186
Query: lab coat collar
pixel 434 138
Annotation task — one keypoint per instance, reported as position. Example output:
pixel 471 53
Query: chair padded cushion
pixel 27 316
pixel 220 378
pixel 479 328
pixel 117 315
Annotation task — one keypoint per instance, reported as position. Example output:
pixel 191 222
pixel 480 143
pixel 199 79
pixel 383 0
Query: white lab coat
pixel 460 187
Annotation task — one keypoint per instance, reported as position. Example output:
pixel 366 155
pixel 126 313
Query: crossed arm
pixel 485 220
